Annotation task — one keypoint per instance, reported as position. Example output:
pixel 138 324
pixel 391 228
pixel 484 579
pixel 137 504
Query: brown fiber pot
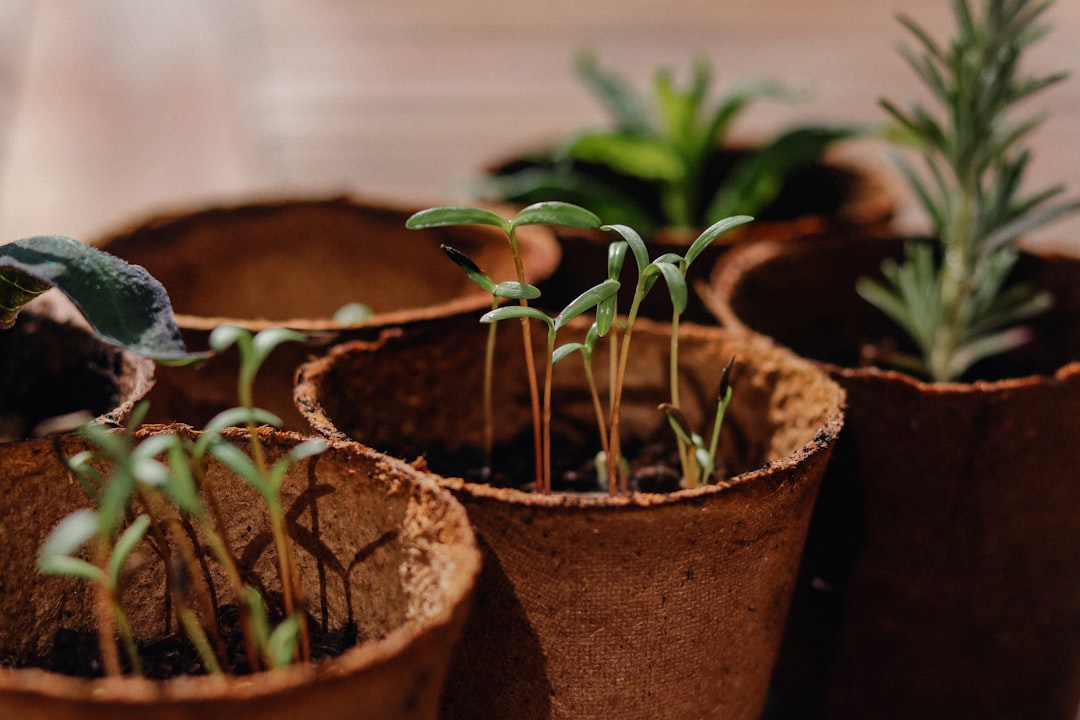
pixel 50 368
pixel 293 263
pixel 941 577
pixel 379 545
pixel 640 606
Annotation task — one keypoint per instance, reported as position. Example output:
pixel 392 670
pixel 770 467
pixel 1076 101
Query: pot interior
pixel 422 391
pixel 381 551
pixel 280 261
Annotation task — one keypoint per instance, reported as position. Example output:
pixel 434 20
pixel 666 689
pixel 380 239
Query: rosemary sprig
pixel 956 301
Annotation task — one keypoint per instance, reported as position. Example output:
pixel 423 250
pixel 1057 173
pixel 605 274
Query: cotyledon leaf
pixel 123 303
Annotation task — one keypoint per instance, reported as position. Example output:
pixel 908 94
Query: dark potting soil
pixel 76 652
pixel 653 466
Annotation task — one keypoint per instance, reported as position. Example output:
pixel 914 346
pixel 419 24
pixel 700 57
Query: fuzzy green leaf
pixel 122 302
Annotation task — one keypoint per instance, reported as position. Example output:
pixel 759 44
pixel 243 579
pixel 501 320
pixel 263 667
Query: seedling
pixel 603 299
pixel 956 301
pixel 165 475
pixel 652 167
pixel 543 213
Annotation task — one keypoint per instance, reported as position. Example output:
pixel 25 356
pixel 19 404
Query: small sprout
pixel 166 474
pixel 354 313
pixel 542 213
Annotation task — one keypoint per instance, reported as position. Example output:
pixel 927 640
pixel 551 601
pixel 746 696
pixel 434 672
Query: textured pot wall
pixel 948 522
pixel 50 368
pixel 293 263
pixel 634 607
pixel 377 545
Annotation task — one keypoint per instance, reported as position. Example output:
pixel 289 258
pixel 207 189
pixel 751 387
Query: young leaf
pixel 68 537
pixel 511 312
pixel 556 213
pixel 125 544
pixel 587 300
pixel 714 231
pixel 513 290
pixel 472 270
pixel 634 241
pixel 122 302
pixel 455 215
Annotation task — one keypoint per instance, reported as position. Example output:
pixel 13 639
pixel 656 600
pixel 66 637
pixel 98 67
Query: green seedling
pixel 652 166
pixel 673 268
pixel 586 301
pixel 503 290
pixel 165 475
pixel 699 462
pixel 542 213
pixel 956 301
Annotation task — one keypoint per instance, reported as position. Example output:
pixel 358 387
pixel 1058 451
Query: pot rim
pixel 309 375
pixel 731 267
pixel 542 238
pixel 129 690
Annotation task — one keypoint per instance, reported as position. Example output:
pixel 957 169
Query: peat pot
pixel 294 263
pixel 941 578
pixel 385 556
pixel 52 369
pixel 644 605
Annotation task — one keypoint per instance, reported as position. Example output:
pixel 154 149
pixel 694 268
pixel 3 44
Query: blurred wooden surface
pixel 114 109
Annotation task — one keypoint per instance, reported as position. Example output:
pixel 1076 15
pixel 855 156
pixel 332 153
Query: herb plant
pixel 698 461
pixel 163 479
pixel 956 301
pixel 654 166
pixel 542 213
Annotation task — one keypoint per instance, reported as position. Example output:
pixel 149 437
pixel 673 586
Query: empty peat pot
pixel 942 578
pixel 644 605
pixel 385 556
pixel 294 263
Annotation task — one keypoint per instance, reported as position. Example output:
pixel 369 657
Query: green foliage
pixel 123 303
pixel 602 299
pixel 651 167
pixel 165 475
pixel 957 301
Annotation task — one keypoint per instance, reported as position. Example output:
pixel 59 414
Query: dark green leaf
pixel 756 182
pixel 122 302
